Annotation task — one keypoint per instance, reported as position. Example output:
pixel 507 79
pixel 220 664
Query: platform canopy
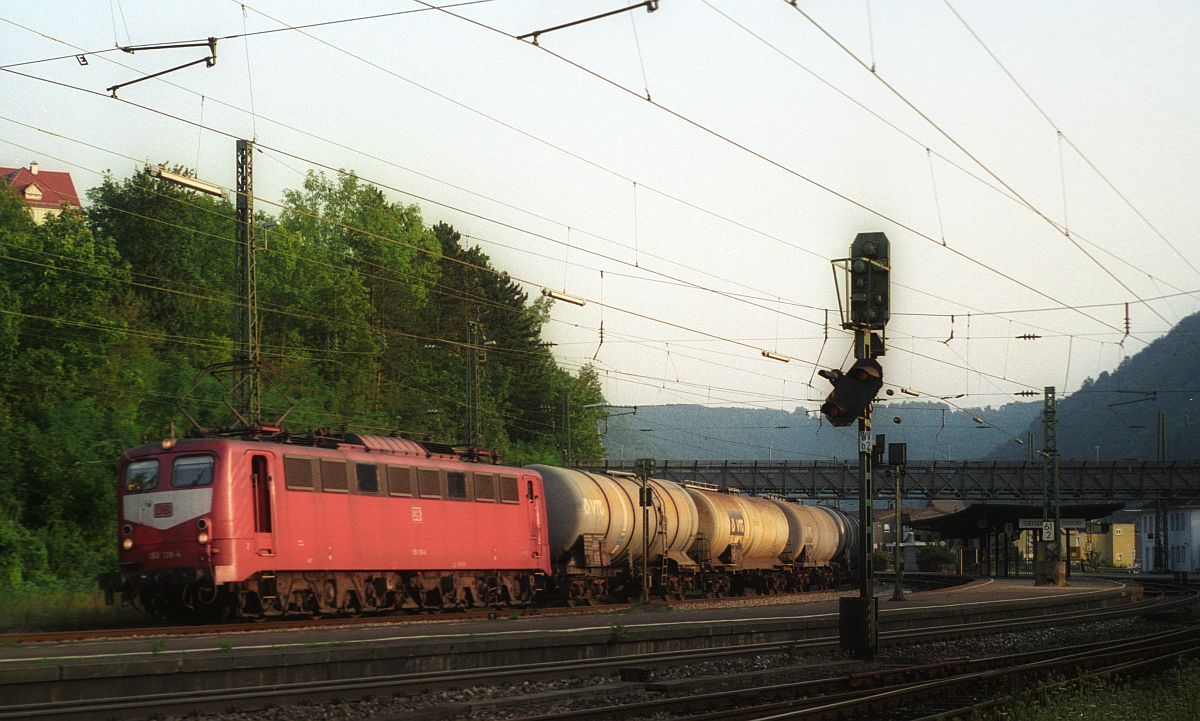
pixel 978 519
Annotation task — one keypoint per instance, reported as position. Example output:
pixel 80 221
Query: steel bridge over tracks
pixel 958 480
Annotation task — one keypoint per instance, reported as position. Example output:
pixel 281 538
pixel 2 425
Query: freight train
pixel 221 527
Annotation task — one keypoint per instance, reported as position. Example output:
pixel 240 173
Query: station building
pixel 999 538
pixel 1180 530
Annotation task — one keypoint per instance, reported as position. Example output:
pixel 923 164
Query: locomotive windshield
pixel 141 475
pixel 192 471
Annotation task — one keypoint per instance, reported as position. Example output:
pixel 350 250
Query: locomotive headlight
pixel 127 530
pixel 126 544
pixel 168 444
pixel 203 537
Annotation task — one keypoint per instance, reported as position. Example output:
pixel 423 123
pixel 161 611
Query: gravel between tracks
pixel 606 689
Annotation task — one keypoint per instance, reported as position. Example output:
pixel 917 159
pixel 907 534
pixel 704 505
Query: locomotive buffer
pixel 867 302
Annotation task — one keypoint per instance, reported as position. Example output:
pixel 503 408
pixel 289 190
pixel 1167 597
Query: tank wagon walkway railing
pixel 963 480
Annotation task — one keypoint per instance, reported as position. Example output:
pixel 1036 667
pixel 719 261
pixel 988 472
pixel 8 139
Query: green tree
pixel 933 556
pixel 67 310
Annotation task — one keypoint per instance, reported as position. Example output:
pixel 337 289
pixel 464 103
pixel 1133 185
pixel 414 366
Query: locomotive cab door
pixel 262 502
pixel 535 516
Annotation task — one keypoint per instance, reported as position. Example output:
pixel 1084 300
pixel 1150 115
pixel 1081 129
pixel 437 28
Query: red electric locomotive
pixel 319 525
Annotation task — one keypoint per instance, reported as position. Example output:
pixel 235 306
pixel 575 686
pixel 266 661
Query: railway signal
pixel 853 391
pixel 867 293
pixel 869 268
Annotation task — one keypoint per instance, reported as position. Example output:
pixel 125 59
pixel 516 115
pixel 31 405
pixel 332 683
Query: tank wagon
pixel 317 525
pixel 696 539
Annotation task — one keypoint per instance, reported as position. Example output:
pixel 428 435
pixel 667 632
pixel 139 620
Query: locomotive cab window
pixel 367 476
pixel 141 475
pixel 456 485
pixel 192 471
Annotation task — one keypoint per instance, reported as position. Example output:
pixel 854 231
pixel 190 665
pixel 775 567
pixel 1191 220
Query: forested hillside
pixel 1115 416
pixel 108 319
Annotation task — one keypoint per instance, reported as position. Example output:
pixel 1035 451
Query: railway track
pixel 367 620
pixel 921 582
pixel 420 683
pixel 892 692
pixel 289 624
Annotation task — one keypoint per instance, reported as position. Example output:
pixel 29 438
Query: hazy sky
pixel 646 208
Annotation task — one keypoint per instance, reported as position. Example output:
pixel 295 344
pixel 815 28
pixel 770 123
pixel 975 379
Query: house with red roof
pixel 45 191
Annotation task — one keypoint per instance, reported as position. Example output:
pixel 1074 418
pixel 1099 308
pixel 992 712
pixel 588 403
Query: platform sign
pixel 1065 524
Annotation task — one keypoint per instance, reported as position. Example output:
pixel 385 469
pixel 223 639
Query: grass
pixel 60 609
pixel 1173 695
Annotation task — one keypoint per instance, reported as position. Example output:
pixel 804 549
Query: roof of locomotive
pixel 385 446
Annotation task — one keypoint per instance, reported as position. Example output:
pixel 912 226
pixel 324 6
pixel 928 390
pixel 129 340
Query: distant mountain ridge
pixel 1115 415
pixel 1111 417
pixel 693 432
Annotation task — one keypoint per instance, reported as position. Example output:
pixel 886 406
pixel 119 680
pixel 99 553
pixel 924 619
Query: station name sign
pixel 1066 524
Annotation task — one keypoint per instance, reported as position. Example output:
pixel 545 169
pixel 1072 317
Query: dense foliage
pixel 935 557
pixel 108 319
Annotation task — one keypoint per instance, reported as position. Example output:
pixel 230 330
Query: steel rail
pixel 863 687
pixel 220 699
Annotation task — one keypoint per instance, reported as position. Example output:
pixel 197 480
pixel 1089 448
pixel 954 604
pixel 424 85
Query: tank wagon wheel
pixel 674 589
pixel 583 596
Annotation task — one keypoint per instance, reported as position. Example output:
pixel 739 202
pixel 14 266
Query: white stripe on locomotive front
pixel 186 504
